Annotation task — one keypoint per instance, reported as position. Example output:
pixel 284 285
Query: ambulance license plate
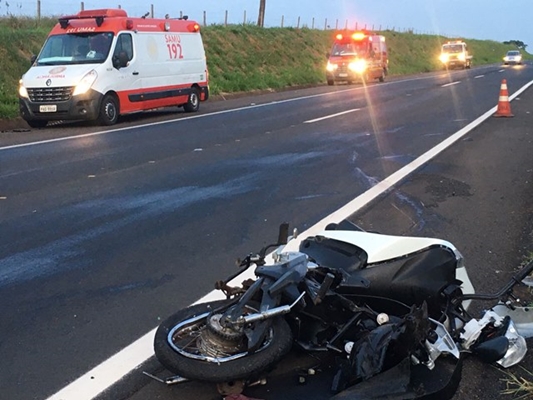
pixel 343 75
pixel 50 108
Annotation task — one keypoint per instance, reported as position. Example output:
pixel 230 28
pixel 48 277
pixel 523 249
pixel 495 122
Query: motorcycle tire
pixel 195 369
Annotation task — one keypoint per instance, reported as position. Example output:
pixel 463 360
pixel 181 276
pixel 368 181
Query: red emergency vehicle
pixel 357 55
pixel 100 64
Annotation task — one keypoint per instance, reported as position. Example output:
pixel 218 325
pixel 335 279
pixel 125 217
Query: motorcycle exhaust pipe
pixel 281 310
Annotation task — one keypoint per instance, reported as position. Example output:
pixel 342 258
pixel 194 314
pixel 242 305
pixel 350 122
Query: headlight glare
pixel 85 83
pixel 358 66
pixel 22 90
pixel 331 67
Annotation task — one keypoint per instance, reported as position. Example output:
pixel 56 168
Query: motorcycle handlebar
pixel 516 279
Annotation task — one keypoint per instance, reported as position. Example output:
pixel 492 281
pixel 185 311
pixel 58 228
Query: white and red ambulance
pixel 357 55
pixel 100 64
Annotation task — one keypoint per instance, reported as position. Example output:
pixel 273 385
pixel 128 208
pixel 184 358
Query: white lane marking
pixel 210 114
pixel 479 76
pixel 501 70
pixel 330 116
pixel 451 83
pixel 103 376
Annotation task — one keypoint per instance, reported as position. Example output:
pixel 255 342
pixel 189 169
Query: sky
pixel 498 20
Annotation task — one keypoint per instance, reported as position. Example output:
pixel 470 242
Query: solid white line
pixel 451 83
pixel 330 116
pixel 478 76
pixel 209 114
pixel 103 376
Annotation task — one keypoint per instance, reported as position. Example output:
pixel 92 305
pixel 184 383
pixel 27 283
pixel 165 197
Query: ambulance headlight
pixel 85 83
pixel 506 59
pixel 22 90
pixel 461 57
pixel 358 66
pixel 331 67
pixel 443 58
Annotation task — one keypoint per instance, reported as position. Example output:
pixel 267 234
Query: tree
pixel 518 43
pixel 261 18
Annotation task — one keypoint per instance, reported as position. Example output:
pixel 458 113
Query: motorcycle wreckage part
pixel 186 346
pixel 171 380
pixel 406 381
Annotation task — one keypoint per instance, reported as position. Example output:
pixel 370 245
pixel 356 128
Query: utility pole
pixel 261 18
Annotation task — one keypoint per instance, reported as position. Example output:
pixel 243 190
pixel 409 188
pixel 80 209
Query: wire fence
pixel 48 8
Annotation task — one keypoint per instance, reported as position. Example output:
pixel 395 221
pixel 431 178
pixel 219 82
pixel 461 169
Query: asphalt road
pixel 106 233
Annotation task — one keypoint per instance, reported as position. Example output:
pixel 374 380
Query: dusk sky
pixel 469 19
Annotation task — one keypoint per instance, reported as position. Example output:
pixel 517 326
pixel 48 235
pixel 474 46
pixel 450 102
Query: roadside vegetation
pixel 245 57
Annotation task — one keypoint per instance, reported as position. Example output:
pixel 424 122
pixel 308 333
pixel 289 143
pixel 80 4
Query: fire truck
pixel 454 54
pixel 357 55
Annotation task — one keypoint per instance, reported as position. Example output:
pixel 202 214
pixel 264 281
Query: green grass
pixel 244 57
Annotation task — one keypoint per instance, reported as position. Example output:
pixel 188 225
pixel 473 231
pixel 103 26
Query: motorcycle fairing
pixel 380 248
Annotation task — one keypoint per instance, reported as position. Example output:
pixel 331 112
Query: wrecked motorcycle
pixel 388 307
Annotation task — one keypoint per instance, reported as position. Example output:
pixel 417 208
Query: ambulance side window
pixel 123 53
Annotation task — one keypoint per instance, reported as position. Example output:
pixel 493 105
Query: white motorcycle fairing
pixel 380 248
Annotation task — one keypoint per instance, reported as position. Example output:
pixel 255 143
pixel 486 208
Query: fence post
pixel 226 18
pixel 244 20
pixel 282 19
pixel 151 11
pixel 313 23
pixel 346 25
pixel 119 7
pixel 82 5
pixel 205 19
pixel 356 25
pixel 337 24
pixel 326 24
pixel 39 10
pixel 298 24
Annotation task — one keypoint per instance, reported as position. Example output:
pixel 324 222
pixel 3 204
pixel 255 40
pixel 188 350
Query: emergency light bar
pixel 97 15
pixel 357 36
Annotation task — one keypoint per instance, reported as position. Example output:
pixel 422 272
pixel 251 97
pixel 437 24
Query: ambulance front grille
pixel 50 94
pixel 343 68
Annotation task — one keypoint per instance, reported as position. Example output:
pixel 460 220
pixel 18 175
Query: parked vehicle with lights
pixel 455 54
pixel 513 57
pixel 355 56
pixel 100 64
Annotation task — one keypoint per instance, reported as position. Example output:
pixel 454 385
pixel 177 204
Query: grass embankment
pixel 244 58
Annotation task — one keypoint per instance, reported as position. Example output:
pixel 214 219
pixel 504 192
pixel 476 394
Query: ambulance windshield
pixel 350 49
pixel 79 48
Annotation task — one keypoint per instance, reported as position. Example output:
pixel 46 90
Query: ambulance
pixel 357 55
pixel 101 64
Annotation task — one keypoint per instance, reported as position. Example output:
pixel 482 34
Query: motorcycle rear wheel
pixel 187 360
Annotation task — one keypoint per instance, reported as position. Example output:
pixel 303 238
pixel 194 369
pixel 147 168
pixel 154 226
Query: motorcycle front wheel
pixel 187 345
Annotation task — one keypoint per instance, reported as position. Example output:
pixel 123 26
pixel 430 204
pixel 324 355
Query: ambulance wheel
pixel 36 123
pixel 108 110
pixel 330 82
pixel 193 102
pixel 382 77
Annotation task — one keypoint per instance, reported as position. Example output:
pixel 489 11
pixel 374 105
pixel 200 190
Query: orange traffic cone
pixel 504 106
